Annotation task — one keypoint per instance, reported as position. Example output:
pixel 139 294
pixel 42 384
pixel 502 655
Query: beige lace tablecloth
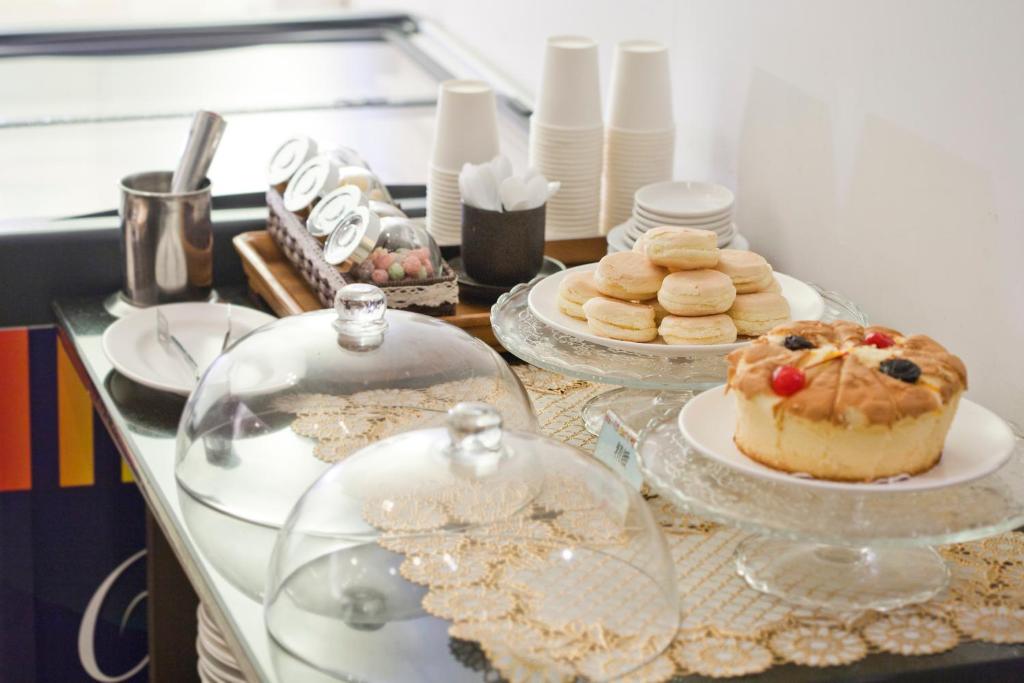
pixel 727 628
pixel 730 629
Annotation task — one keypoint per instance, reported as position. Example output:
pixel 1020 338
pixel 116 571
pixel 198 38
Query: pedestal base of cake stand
pixel 841 578
pixel 635 407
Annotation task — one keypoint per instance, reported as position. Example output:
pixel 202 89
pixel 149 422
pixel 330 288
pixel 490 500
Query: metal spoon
pixel 203 138
pixel 164 336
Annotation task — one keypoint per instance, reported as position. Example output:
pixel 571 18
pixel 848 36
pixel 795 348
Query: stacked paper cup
pixel 566 136
pixel 466 132
pixel 640 139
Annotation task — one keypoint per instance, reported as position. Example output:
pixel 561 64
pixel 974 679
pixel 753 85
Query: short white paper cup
pixel 639 136
pixel 634 150
pixel 567 151
pixel 619 189
pixel 641 89
pixel 466 126
pixel 543 130
pixel 567 160
pixel 570 88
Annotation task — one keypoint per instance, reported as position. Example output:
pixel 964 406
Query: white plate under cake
pixel 850 407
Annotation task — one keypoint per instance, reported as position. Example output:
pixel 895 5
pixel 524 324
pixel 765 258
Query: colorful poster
pixel 72 528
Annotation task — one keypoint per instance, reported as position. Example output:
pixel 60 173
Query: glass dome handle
pixel 361 310
pixel 475 431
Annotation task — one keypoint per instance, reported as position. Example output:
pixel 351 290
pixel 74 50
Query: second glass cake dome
pixel 287 401
pixel 530 547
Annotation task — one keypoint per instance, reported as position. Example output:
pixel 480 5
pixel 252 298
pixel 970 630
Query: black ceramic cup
pixel 502 248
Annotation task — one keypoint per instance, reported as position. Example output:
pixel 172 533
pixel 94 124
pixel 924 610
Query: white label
pixel 616 448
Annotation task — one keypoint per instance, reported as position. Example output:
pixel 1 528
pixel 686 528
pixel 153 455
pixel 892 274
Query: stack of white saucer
pixel 640 138
pixel 683 203
pixel 216 664
pixel 466 131
pixel 567 136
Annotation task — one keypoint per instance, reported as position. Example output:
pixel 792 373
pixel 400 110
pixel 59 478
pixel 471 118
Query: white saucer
pixel 684 199
pixel 132 347
pixel 738 241
pixel 633 231
pixel 216 666
pixel 646 224
pixel 804 302
pixel 645 216
pixel 726 237
pixel 208 673
pixel 618 239
pixel 978 443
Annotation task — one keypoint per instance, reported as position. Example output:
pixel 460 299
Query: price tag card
pixel 616 448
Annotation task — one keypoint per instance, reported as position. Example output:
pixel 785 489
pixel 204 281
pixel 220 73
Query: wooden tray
pixel 577 252
pixel 275 280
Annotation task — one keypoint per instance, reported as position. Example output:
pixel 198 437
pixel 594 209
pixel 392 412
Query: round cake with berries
pixel 844 402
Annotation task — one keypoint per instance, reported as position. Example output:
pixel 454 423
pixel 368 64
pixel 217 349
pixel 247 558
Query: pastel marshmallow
pixel 697 292
pixel 681 248
pixel 621 320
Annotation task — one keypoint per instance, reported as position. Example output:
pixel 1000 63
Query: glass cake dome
pixel 525 545
pixel 285 402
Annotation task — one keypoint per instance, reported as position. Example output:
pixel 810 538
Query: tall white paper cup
pixel 466 126
pixel 570 88
pixel 641 90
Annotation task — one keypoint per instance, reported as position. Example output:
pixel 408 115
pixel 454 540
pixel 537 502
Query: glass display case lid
pixel 288 400
pixel 469 522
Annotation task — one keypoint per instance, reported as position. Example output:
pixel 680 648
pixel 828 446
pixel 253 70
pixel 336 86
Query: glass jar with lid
pixel 389 250
pixel 285 402
pixel 289 156
pixel 321 174
pixel 346 156
pixel 337 204
pixel 472 529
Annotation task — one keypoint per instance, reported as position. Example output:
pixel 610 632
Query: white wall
pixel 876 147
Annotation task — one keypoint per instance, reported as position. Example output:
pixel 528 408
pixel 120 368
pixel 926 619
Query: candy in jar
pixel 404 251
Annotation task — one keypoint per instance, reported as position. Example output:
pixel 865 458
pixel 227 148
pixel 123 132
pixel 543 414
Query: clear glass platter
pixel 838 549
pixel 653 386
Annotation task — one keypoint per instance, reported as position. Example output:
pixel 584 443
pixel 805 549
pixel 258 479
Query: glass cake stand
pixel 843 550
pixel 651 386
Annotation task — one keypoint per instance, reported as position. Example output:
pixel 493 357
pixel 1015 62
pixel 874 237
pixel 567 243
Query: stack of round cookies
pixel 676 284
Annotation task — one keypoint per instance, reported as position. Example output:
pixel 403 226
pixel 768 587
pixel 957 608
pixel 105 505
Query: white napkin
pixel 493 186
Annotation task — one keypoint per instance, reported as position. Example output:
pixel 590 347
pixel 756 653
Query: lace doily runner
pixel 727 628
pixel 340 425
pixel 730 629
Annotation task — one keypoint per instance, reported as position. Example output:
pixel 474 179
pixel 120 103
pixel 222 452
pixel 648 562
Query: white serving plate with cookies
pixel 978 443
pixel 804 303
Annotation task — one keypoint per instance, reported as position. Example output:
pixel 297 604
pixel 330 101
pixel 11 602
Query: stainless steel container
pixel 166 240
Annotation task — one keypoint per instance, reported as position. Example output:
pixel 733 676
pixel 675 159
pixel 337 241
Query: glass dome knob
pixel 361 322
pixel 475 432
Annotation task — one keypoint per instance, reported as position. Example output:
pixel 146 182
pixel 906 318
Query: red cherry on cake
pixel 879 340
pixel 787 380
